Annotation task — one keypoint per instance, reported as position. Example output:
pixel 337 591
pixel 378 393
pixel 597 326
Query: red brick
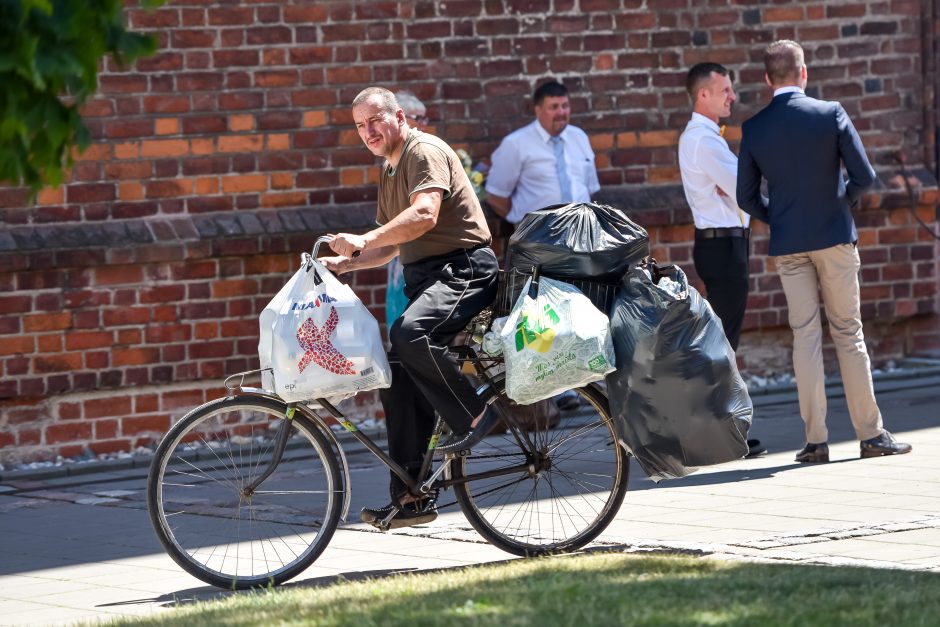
pixel 306 13
pixel 70 411
pixel 135 425
pixel 118 275
pixel 106 429
pixel 67 362
pixel 164 148
pixel 24 415
pixel 146 403
pixel 47 322
pixel 234 58
pixel 49 344
pixel 166 104
pixel 848 10
pixel 165 334
pixel 68 432
pixel 15 304
pixel 83 340
pixel 186 399
pixel 124 316
pixel 161 62
pixel 128 128
pixel 110 406
pixel 129 337
pixel 96 192
pixel 134 356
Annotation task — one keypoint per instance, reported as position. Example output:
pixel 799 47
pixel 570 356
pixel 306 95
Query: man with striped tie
pixel 544 163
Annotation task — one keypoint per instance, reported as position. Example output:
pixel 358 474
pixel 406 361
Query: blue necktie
pixel 562 169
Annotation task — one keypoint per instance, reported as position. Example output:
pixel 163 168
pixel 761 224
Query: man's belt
pixel 731 231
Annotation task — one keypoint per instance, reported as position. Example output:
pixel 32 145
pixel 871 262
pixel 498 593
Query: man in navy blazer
pixel 799 145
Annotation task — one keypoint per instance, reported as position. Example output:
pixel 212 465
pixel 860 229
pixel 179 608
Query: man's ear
pixel 767 79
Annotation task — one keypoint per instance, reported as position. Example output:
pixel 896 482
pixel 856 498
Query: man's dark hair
pixel 551 88
pixel 783 61
pixel 700 74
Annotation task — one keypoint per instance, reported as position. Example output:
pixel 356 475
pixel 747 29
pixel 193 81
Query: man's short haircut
pixel 410 104
pixel 783 61
pixel 551 88
pixel 387 101
pixel 700 74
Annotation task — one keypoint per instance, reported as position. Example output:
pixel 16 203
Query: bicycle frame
pixel 430 480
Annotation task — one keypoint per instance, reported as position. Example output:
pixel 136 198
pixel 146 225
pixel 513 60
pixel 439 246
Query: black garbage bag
pixel 677 395
pixel 578 241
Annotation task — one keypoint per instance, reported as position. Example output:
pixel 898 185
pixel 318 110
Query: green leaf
pixel 50 52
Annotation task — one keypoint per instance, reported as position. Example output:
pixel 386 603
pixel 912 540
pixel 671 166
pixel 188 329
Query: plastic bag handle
pixel 307 260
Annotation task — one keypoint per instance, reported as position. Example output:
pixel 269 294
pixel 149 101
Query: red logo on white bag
pixel 319 349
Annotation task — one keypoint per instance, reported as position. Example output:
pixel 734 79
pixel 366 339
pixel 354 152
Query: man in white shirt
pixel 709 178
pixel 543 163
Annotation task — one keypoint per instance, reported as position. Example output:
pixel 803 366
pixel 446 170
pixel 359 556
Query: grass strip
pixel 587 590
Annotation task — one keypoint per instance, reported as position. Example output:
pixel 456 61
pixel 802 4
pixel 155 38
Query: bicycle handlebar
pixel 326 239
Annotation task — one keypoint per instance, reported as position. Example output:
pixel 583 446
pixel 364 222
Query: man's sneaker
pixel 455 443
pixel 407 515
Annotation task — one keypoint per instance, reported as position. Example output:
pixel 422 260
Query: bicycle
pixel 247 490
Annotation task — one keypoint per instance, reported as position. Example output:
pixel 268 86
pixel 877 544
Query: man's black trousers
pixel 722 264
pixel 445 293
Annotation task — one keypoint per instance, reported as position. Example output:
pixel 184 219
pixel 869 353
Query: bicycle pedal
pixel 381 526
pixel 386 523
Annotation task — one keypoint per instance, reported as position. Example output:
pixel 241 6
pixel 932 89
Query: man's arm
pixel 720 164
pixel 369 259
pixel 503 176
pixel 500 204
pixel 861 174
pixel 419 218
pixel 748 185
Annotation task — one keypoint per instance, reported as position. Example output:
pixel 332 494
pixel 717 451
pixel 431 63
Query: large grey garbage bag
pixel 677 395
pixel 578 241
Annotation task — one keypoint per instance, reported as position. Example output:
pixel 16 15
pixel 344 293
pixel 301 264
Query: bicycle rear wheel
pixel 575 480
pixel 198 503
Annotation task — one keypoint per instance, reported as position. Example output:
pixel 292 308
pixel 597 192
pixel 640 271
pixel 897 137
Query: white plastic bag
pixel 554 342
pixel 319 340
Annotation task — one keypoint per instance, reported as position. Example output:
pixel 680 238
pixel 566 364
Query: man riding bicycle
pixel 430 217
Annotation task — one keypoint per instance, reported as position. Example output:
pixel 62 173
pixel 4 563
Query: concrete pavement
pixel 81 547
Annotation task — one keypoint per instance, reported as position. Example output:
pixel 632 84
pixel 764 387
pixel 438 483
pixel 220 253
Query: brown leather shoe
pixel 814 454
pixel 884 444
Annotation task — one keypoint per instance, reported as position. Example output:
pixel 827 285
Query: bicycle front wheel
pixel 570 481
pixel 225 534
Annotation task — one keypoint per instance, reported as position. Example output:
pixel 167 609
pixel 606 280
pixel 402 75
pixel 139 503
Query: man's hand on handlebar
pixel 347 244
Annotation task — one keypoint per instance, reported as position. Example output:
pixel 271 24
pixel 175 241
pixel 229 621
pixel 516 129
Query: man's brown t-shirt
pixel 427 162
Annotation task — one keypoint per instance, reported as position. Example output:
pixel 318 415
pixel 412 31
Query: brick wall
pixel 129 293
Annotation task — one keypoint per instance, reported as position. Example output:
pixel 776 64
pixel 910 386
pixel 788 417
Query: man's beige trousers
pixel 833 272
